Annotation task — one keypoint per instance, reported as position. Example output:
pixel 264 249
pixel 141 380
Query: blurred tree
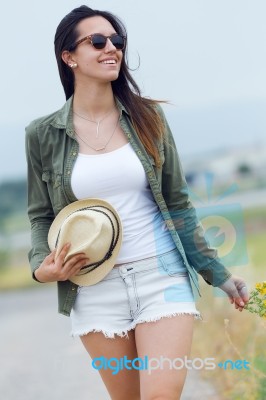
pixel 13 197
pixel 4 259
pixel 244 169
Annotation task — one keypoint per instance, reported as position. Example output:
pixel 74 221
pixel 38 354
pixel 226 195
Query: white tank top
pixel 119 178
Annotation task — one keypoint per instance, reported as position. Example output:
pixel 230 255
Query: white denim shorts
pixel 133 293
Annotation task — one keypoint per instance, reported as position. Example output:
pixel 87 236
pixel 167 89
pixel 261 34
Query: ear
pixel 67 57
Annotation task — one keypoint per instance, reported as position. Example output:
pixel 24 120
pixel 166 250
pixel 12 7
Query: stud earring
pixel 74 65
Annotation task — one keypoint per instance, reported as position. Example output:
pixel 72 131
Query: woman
pixel 109 142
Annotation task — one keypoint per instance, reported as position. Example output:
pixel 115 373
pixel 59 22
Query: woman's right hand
pixel 52 270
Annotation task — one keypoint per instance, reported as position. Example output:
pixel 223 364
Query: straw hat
pixel 93 227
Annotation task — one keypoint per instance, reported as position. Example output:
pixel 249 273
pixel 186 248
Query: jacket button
pixel 73 154
pixel 68 172
pixel 129 135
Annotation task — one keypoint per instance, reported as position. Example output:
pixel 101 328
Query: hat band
pixel 92 266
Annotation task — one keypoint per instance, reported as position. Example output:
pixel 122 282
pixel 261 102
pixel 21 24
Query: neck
pixel 94 100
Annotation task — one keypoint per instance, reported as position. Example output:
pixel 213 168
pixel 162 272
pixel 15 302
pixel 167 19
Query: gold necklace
pixel 102 147
pixel 95 122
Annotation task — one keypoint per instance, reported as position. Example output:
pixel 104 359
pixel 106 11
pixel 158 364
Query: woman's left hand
pixel 237 291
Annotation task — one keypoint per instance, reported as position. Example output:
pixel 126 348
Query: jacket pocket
pixel 53 181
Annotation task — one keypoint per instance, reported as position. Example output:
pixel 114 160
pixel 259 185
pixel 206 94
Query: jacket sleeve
pixel 201 256
pixel 40 211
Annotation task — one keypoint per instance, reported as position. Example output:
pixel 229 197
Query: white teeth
pixel 108 62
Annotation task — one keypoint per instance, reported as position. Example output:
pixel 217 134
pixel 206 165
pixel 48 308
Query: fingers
pixel 54 268
pixel 62 255
pixel 239 304
pixel 244 293
pixel 236 291
pixel 66 269
pixel 50 258
pixel 241 299
pixel 234 297
pixel 74 265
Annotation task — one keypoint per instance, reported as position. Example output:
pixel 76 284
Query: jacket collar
pixel 64 117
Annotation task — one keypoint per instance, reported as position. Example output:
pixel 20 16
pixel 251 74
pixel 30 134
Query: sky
pixel 206 57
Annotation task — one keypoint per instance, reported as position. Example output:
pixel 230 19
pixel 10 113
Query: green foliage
pixel 4 259
pixel 13 199
pixel 257 300
pixel 17 278
pixel 262 389
pixel 244 169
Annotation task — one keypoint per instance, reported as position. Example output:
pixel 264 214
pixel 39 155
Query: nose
pixel 109 47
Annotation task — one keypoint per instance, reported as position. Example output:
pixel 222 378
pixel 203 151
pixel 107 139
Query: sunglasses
pixel 98 41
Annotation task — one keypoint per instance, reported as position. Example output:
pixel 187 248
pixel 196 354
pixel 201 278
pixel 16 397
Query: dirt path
pixel 41 361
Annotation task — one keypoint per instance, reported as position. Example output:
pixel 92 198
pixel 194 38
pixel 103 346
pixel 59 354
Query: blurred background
pixel 208 59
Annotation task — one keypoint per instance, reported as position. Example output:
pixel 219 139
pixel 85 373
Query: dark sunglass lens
pixel 118 42
pixel 98 41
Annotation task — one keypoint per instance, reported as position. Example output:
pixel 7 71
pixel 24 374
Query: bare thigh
pixel 171 338
pixel 125 384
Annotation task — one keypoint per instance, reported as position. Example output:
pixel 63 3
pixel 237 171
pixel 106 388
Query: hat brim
pixel 93 277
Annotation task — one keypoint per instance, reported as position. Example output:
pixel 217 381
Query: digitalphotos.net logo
pixel 150 364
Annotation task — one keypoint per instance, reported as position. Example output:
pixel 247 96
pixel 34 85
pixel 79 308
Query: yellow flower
pixel 257 303
pixel 259 286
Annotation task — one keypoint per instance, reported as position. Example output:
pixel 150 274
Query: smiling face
pixel 92 64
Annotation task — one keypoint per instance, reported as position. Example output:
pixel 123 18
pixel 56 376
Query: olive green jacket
pixel 51 150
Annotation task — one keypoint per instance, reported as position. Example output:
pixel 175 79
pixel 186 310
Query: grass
pixel 16 222
pixel 225 333
pixel 16 277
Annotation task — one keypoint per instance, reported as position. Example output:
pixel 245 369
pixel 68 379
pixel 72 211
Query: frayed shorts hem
pixel 124 333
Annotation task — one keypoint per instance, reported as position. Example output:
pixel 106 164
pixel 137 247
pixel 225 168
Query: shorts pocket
pixel 173 264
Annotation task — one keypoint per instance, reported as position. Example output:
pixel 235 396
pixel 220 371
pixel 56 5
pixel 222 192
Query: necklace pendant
pixel 97 131
pixel 103 147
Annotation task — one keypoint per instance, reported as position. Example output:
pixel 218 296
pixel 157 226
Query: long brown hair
pixel 144 117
